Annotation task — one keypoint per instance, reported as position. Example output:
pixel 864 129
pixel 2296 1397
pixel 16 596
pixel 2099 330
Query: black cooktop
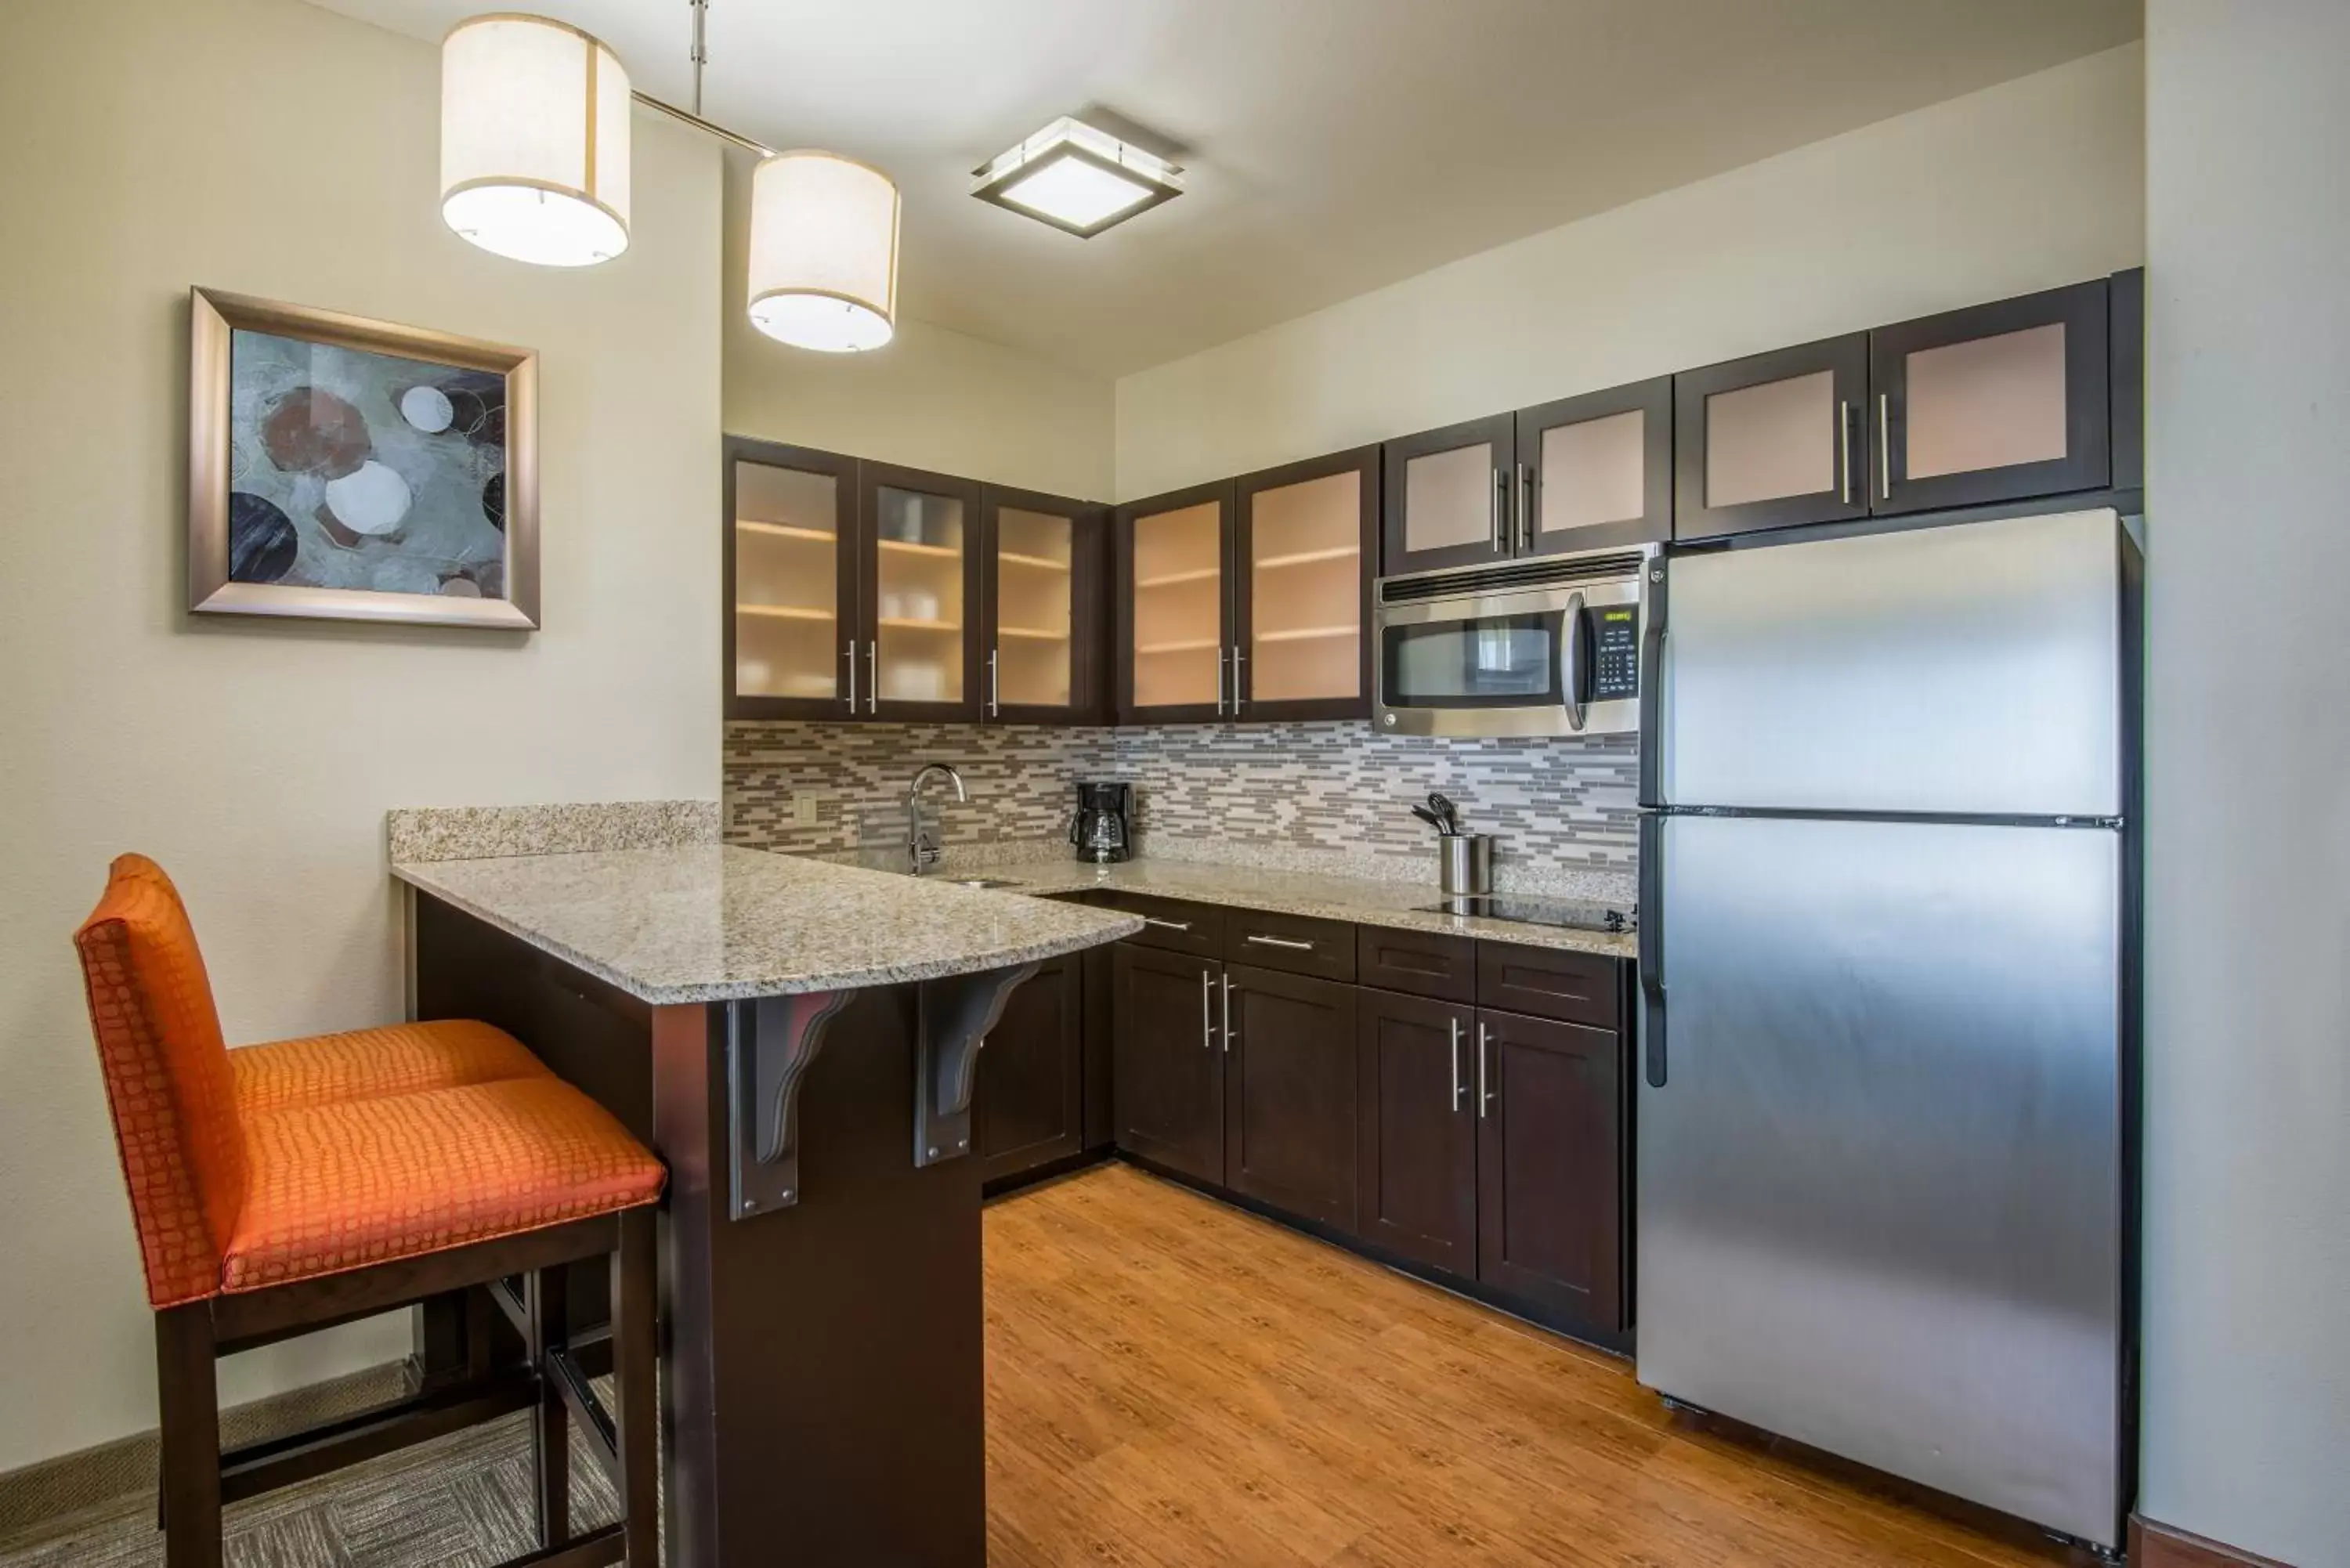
pixel 1532 912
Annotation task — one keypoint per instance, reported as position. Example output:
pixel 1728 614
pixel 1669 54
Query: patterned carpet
pixel 464 1501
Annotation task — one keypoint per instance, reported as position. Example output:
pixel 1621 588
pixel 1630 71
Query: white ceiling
pixel 1332 145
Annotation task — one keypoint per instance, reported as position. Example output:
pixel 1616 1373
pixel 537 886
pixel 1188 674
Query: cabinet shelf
pixel 1195 645
pixel 785 612
pixel 1170 579
pixel 1037 633
pixel 1307 633
pixel 1308 557
pixel 1041 563
pixel 785 531
pixel 911 548
pixel 906 623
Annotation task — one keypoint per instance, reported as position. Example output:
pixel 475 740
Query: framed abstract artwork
pixel 353 469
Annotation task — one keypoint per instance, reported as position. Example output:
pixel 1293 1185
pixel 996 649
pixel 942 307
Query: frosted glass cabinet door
pixel 1772 440
pixel 1303 589
pixel 1596 471
pixel 1174 644
pixel 1450 497
pixel 1044 599
pixel 920 539
pixel 1991 403
pixel 791 572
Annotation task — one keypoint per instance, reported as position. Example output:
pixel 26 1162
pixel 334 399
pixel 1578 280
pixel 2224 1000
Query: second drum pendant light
pixel 535 163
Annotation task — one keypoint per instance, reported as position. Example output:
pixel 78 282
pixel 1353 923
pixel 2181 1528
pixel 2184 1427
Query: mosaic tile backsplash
pixel 1319 792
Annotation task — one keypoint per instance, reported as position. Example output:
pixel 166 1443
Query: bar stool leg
pixel 190 1401
pixel 635 1347
pixel 550 1432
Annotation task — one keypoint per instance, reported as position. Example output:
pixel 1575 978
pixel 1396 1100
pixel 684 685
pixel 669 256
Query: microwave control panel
pixel 1616 652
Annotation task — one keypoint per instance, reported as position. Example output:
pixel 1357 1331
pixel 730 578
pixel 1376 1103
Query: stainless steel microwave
pixel 1548 647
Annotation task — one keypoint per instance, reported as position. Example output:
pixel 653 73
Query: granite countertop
pixel 709 923
pixel 1361 900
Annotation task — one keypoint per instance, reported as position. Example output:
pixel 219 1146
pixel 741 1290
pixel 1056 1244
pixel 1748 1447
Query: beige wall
pixel 2247 1271
pixel 269 148
pixel 933 399
pixel 2031 183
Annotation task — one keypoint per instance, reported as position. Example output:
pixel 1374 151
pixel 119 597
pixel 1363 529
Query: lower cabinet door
pixel 1169 1068
pixel 1028 1106
pixel 1416 1191
pixel 1550 1176
pixel 1289 1092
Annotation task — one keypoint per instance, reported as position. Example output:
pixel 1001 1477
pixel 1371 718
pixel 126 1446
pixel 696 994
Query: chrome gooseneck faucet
pixel 921 849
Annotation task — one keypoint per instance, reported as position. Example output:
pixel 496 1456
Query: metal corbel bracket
pixel 769 1044
pixel 953 1017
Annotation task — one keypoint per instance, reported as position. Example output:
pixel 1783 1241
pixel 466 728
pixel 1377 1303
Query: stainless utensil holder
pixel 1464 864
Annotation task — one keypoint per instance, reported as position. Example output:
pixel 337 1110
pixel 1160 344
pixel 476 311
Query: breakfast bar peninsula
pixel 798 1042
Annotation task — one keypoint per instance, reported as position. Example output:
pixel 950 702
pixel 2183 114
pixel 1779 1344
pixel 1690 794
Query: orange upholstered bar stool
pixel 282 1189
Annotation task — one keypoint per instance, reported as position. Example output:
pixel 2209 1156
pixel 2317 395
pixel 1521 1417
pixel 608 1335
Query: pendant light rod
pixel 701 48
pixel 708 127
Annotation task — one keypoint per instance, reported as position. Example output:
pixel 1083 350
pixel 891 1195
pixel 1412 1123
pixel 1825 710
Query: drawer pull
pixel 1283 943
pixel 1166 925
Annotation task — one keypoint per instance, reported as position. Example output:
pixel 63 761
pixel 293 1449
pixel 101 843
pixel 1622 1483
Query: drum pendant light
pixel 824 253
pixel 535 140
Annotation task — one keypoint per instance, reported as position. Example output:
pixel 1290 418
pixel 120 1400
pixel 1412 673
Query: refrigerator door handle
pixel 1652 684
pixel 1651 958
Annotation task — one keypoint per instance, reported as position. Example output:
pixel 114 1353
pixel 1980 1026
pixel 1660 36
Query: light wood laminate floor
pixel 1173 1384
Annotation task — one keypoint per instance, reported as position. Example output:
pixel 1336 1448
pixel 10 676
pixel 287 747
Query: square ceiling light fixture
pixel 1077 177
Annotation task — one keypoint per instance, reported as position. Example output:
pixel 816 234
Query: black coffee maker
pixel 1103 829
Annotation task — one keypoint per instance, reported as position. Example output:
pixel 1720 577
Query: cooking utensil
pixel 1449 814
pixel 1429 817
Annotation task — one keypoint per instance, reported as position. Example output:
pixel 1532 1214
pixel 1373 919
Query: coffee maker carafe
pixel 1103 828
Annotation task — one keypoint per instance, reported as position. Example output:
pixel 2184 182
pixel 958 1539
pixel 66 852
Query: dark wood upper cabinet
pixel 1449 497
pixel 1306 548
pixel 1595 473
pixel 919 592
pixel 1172 577
pixel 1168 1059
pixel 1991 403
pixel 792 630
pixel 1043 608
pixel 1416 1190
pixel 1772 440
pixel 1550 1166
pixel 1028 1106
pixel 1289 1092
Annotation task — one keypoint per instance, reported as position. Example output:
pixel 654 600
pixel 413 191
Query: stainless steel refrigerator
pixel 1884 1141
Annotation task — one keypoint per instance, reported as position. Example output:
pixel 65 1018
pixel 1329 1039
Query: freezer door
pixel 1973 668
pixel 1880 1187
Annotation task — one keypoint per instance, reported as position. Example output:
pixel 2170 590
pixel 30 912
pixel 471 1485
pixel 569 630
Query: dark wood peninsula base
pixel 822 1373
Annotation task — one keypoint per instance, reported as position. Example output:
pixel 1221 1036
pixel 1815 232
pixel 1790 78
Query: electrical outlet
pixel 804 809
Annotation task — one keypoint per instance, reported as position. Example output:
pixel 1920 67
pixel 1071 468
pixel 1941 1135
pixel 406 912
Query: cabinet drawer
pixel 1418 963
pixel 1173 924
pixel 1550 982
pixel 1296 943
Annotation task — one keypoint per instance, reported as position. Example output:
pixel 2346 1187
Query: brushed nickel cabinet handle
pixel 873 678
pixel 994 691
pixel 1207 1015
pixel 851 651
pixel 1237 698
pixel 1526 508
pixel 1885 445
pixel 1843 453
pixel 1228 1014
pixel 1500 487
pixel 1166 925
pixel 1454 1024
pixel 1484 1090
pixel 1293 945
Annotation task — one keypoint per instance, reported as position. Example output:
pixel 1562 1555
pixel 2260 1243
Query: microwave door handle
pixel 1571 640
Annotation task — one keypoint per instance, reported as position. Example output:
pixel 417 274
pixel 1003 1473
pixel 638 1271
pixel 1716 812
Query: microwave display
pixel 1492 661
